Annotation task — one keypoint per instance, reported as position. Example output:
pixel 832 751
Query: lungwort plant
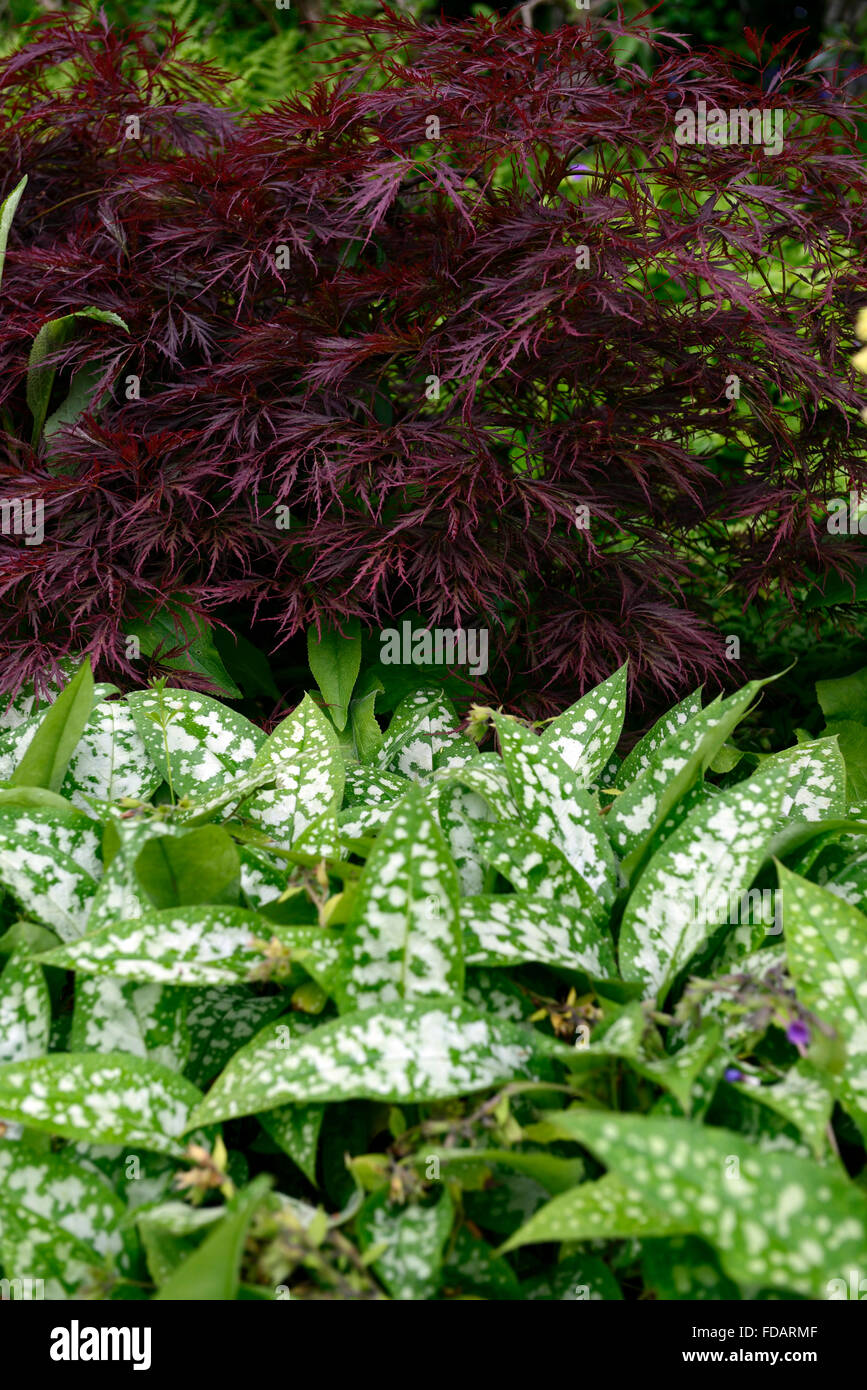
pixel 344 1012
pixel 463 330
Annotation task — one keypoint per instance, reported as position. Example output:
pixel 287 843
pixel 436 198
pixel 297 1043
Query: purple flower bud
pixel 733 1074
pixel 798 1033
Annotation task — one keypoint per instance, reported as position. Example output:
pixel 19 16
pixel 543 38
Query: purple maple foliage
pixel 377 374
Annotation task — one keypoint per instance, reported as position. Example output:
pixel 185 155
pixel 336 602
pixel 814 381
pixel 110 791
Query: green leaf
pixel 826 944
pixel 99 1098
pixel 175 626
pixel 110 760
pixel 170 1232
pixel 70 1194
pixel 803 1098
pixel 201 866
pixel 688 885
pixel 414 1237
pixel 213 1271
pixel 554 806
pixel 195 741
pixel 533 866
pixel 48 1252
pixel 53 336
pixel 586 734
pixel 602 1210
pixel 665 728
pixel 48 754
pixel 220 1020
pixel 8 209
pixel 554 1173
pixel 396 1052
pixel 304 755
pixel 335 660
pixel 144 1020
pixel 296 1129
pixel 203 946
pixel 423 726
pixel 504 929
pixel 48 884
pixel 403 939
pixel 577 1279
pixel 686 1268
pixel 845 697
pixel 776 1221
pixel 671 770
pixel 61 829
pixel 25 1011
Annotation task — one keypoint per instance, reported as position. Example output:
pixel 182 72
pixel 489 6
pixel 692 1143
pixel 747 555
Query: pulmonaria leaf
pixel 119 894
pixel 606 1209
pixel 413 1237
pixel 65 831
pixel 403 940
pixel 461 813
pixel 194 741
pixel 70 1194
pixel 413 1051
pixel 776 1221
pixel 423 725
pixel 504 929
pixel 686 888
pixel 555 808
pixel 817 781
pixel 110 760
pixel 372 786
pixel 665 728
pixel 296 1129
pixel 99 1098
pixel 304 754
pixel 213 1271
pixel 203 945
pixel 534 866
pixel 578 1279
pixel 145 1020
pixel 826 945
pixel 220 1020
pixel 25 1010
pixel 65 1265
pixel 803 1097
pixel 48 884
pixel 684 1267
pixel 586 734
pixel 670 771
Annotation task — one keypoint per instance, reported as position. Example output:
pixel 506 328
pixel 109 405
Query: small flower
pixel 733 1074
pixel 798 1033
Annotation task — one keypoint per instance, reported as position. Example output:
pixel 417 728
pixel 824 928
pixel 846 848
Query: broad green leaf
pixel 586 734
pixel 60 728
pixel 366 733
pixel 25 1011
pixel 296 1129
pixel 371 786
pixel 119 895
pixel 304 755
pixel 335 660
pixel 403 940
pixel 471 1266
pixel 817 781
pixel 414 1238
pixel 826 944
pixel 69 1193
pixel 423 726
pixel 63 830
pixel 670 772
pixel 685 890
pixel 102 1099
pixel 776 1221
pixel 461 813
pixel 686 1268
pixel 176 626
pixel 8 209
pixel 803 1098
pixel 504 929
pixel 213 1271
pixel 577 1279
pixel 48 884
pixel 553 806
pixel 193 740
pixel 665 728
pixel 534 866
pixel 53 336
pixel 201 866
pixel 201 946
pixel 144 1020
pixel 170 1232
pixel 845 697
pixel 110 760
pixel 553 1172
pixel 33 1242
pixel 602 1210
pixel 398 1052
pixel 220 1020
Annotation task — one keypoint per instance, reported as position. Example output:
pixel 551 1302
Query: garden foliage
pixel 348 358
pixel 345 1012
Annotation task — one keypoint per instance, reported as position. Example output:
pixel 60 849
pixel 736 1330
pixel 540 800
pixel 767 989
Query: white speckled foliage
pixel 47 883
pixel 403 940
pixel 304 754
pixel 826 943
pixel 587 734
pixel 111 760
pixel 25 1010
pixel 503 929
pixel 194 740
pixel 423 726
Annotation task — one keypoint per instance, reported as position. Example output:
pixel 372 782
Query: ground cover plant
pixel 278 386
pixel 443 1010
